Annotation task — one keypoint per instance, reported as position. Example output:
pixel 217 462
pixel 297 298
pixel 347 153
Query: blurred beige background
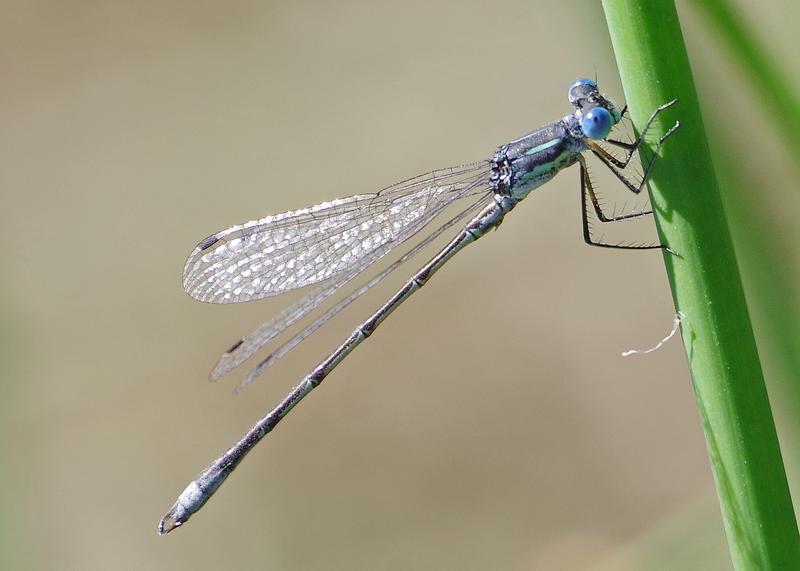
pixel 490 424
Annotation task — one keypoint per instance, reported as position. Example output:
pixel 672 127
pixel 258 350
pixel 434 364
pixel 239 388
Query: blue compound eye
pixel 596 123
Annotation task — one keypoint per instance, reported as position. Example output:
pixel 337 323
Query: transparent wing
pixel 250 344
pixel 275 355
pixel 247 346
pixel 286 251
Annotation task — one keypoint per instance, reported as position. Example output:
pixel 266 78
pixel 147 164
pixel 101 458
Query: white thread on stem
pixel 675 325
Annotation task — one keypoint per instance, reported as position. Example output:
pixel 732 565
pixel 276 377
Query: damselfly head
pixel 597 114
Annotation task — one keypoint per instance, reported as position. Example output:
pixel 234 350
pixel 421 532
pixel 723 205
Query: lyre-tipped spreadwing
pixel 332 243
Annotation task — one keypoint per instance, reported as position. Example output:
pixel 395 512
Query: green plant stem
pixel 706 287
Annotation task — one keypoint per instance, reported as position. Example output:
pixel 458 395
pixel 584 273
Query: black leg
pixel 616 166
pixel 587 190
pixel 632 147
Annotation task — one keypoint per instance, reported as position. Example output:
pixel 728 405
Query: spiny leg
pixel 616 166
pixel 588 190
pixel 632 147
pixel 613 163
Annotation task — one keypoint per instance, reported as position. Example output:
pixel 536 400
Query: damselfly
pixel 330 244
